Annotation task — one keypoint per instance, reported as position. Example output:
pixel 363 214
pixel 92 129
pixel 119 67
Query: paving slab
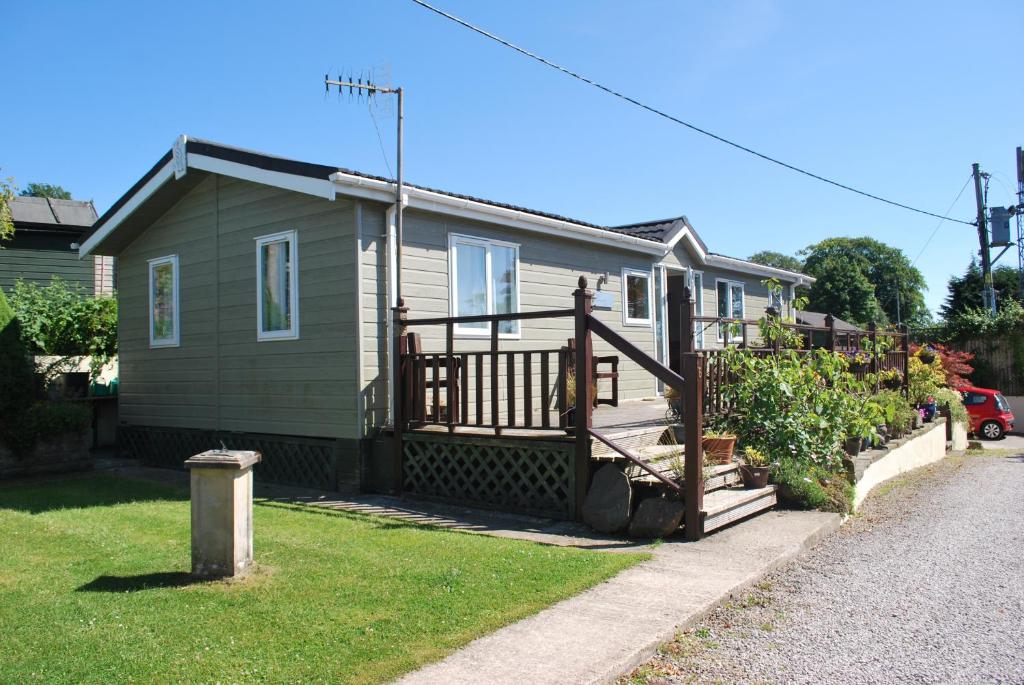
pixel 596 636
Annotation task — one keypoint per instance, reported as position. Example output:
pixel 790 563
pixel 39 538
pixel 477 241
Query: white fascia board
pixel 151 186
pixel 440 203
pixel 320 187
pixel 759 269
pixel 679 233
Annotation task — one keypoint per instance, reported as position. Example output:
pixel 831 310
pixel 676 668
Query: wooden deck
pixel 629 415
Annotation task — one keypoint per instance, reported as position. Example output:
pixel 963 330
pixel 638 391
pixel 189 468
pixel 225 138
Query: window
pixel 484 279
pixel 775 300
pixel 277 287
pixel 697 292
pixel 163 302
pixel 636 297
pixel 975 399
pixel 730 306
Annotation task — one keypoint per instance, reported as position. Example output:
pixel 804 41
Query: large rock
pixel 609 500
pixel 656 517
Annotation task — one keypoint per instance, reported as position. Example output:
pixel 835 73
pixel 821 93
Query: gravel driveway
pixel 924 585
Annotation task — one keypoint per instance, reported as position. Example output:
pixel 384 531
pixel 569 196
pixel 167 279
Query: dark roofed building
pixel 817 319
pixel 47 233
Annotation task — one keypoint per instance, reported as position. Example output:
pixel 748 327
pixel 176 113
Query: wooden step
pixel 729 505
pixel 725 475
pixel 633 439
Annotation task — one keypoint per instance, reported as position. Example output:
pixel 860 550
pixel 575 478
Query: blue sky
pixel 884 96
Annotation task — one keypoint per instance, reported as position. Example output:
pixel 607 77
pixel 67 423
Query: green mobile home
pixel 255 297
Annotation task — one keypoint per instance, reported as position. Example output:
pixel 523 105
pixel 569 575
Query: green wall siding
pixel 38 257
pixel 220 377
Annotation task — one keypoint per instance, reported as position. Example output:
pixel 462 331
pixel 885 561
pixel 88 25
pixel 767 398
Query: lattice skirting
pixel 307 462
pixel 529 476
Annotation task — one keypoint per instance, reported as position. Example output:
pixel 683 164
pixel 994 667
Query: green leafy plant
pixel 6 221
pixel 954 400
pixel 65 320
pixel 755 457
pixel 17 381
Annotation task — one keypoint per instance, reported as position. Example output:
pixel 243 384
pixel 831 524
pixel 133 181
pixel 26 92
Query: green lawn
pixel 94 588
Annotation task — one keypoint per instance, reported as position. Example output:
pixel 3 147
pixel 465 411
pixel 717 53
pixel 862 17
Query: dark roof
pixel 262 160
pixel 656 231
pixel 817 319
pixel 651 230
pixel 44 211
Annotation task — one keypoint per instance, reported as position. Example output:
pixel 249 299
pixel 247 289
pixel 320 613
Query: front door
pixel 676 285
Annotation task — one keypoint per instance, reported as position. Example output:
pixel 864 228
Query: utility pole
pixel 988 292
pixel 1020 221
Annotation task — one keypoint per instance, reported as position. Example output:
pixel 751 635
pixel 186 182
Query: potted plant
pixel 926 355
pixel 719 446
pixel 891 379
pixel 859 361
pixel 754 468
pixel 929 407
pixel 570 397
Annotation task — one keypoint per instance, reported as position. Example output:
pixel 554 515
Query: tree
pixel 898 285
pixel 6 222
pixel 777 260
pixel 844 291
pixel 45 190
pixel 964 292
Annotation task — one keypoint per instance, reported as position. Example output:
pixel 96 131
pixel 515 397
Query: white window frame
pixel 453 284
pixel 698 307
pixel 175 340
pixel 627 320
pixel 743 307
pixel 291 333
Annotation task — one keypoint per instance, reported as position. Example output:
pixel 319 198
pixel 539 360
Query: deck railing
pixel 462 388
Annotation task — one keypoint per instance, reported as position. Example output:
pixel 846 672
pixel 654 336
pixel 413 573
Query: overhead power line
pixel 936 229
pixel 665 115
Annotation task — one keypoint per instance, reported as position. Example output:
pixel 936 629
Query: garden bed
pixel 94 588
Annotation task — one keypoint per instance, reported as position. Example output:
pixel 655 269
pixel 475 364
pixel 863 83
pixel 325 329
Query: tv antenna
pixel 358 88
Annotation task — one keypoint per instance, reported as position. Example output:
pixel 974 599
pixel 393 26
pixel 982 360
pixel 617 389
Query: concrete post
pixel 221 511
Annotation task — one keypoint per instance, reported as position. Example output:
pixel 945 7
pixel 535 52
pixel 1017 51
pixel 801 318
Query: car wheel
pixel 991 430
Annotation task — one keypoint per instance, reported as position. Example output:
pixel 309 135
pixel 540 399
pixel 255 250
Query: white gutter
pixel 384 191
pixel 749 267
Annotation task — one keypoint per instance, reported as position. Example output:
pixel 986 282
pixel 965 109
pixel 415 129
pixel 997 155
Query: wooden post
pixel 584 300
pixel 905 349
pixel 399 316
pixel 693 460
pixel 777 343
pixel 830 321
pixel 688 313
pixel 873 336
pixel 449 375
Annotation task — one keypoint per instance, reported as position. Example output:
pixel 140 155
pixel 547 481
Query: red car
pixel 990 413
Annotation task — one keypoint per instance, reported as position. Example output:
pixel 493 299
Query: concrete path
pixel 607 630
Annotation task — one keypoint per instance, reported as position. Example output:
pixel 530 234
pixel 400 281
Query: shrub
pixel 66 320
pixel 17 381
pixel 955 401
pixel 813 488
pixel 924 380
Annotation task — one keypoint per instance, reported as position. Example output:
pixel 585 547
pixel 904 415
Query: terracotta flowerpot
pixel 754 476
pixel 719 450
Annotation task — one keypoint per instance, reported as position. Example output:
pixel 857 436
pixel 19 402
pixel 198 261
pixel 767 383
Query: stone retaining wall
pixel 924 446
